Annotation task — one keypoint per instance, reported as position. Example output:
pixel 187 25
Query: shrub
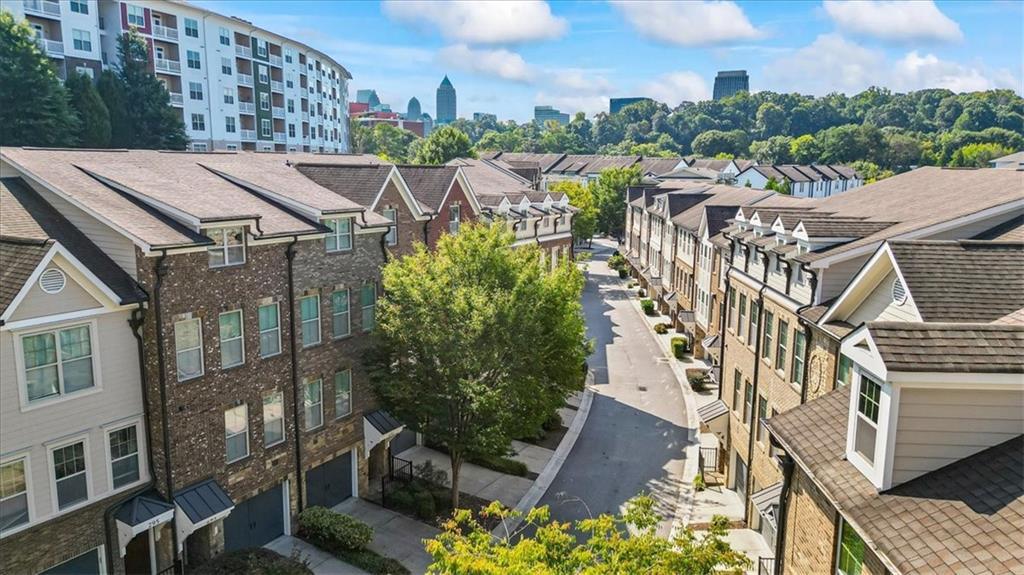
pixel 257 561
pixel 371 562
pixel 661 328
pixel 616 262
pixel 334 531
pixel 698 483
pixel 425 507
pixel 553 422
pixel 501 464
pixel 647 305
pixel 699 382
pixel 402 499
pixel 623 274
pixel 641 292
pixel 679 346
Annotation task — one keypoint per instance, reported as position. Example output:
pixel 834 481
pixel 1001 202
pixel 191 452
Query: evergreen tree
pixel 34 106
pixel 110 91
pixel 94 120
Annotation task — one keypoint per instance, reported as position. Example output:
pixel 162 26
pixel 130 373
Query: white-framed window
pixel 80 6
pixel 313 404
pixel 799 348
pixel 228 248
pixel 82 40
pixel 454 218
pixel 762 414
pixel 14 497
pixel 783 345
pixel 343 393
pixel 236 433
pixel 850 555
pixel 86 71
pixel 340 237
pixel 229 124
pixel 193 59
pixel 341 318
pixel 392 236
pixel 199 147
pixel 368 301
pixel 309 312
pixel 123 446
pixel 136 16
pixel 261 47
pixel 229 95
pixel 270 330
pixel 58 362
pixel 264 74
pixel 225 66
pixel 225 37
pixel 188 348
pixel 191 28
pixel 273 418
pixel 265 128
pixel 195 91
pixel 291 130
pixel 290 105
pixel 232 344
pixel 766 345
pixel 867 417
pixel 70 474
pixel 198 122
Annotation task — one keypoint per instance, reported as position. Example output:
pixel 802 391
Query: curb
pixel 554 465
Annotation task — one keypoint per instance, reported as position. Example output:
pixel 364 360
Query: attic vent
pixel 899 293
pixel 52 281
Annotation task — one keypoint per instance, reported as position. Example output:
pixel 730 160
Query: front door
pixel 740 480
pixel 331 483
pixel 136 558
pixel 256 521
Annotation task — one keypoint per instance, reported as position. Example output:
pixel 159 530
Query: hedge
pixel 648 306
pixel 679 346
pixel 346 538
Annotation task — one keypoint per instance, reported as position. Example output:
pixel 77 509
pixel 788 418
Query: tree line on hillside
pixel 127 107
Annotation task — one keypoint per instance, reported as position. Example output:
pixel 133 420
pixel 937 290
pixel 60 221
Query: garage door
pixel 404 440
pixel 330 483
pixel 84 564
pixel 256 521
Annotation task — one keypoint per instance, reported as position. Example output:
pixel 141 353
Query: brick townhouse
pixel 261 287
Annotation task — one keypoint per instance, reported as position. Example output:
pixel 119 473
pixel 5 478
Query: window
pixel 867 403
pixel 850 556
pixel 82 40
pixel 755 316
pixel 264 101
pixel 340 237
pixel 191 28
pixel 85 71
pixel 225 37
pixel 188 348
pixel 454 218
pixel 291 106
pixel 867 418
pixel 264 73
pixel 225 66
pixel 193 59
pixel 270 330
pixel 273 419
pixel 392 215
pixel 229 124
pixel 291 130
pixel 748 402
pixel 368 299
pixel 844 371
pixel 313 402
pixel 195 91
pixel 762 414
pixel 766 344
pixel 70 475
pixel 288 56
pixel 236 433
pixel 198 122
pixel 53 370
pixel 737 391
pixel 13 494
pixel 80 6
pixel 799 349
pixel 136 16
pixel 265 127
pixel 732 302
pixel 232 348
pixel 741 320
pixel 228 248
pixel 309 309
pixel 289 83
pixel 783 343
pixel 341 323
pixel 343 393
pixel 124 456
pixel 261 47
pixel 229 95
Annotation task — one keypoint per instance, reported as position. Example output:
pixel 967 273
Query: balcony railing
pixel 164 32
pixel 42 8
pixel 247 108
pixel 247 135
pixel 243 51
pixel 164 65
pixel 305 116
pixel 305 140
pixel 276 61
pixel 278 112
pixel 277 86
pixel 280 137
pixel 53 48
pixel 245 79
pixel 177 99
pixel 766 566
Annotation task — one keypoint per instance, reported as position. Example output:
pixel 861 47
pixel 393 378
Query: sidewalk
pixel 473 479
pixel 319 561
pixel 394 534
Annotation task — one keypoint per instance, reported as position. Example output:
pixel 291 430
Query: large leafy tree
pixel 94 126
pixel 478 342
pixel 34 106
pixel 145 118
pixel 581 197
pixel 443 145
pixel 610 197
pixel 610 544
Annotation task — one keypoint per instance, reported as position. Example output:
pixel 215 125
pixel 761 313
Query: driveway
pixel 635 436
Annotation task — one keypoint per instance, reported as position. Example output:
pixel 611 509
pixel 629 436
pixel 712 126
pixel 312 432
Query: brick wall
pixel 810 529
pixel 821 364
pixel 410 231
pixel 439 225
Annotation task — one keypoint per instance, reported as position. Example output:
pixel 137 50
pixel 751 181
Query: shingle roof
pixel 963 518
pixel 486 179
pixel 544 161
pixel 1011 230
pixel 17 262
pixel 361 184
pixel 720 195
pixel 950 347
pixel 429 184
pixel 956 281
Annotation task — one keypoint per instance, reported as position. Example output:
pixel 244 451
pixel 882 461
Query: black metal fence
pixel 708 459
pixel 399 472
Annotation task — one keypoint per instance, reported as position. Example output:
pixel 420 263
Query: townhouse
pixel 579 167
pixel 812 181
pixel 262 288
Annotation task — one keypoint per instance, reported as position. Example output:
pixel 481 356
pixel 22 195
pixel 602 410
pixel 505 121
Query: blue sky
pixel 506 57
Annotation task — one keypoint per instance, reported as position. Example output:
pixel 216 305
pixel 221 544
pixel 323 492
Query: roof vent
pixel 899 293
pixel 52 281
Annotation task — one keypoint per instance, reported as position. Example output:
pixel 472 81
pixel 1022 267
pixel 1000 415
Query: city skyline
pixel 575 56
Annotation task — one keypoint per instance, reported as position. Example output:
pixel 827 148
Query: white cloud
pixel 897 21
pixel 690 23
pixel 499 63
pixel 579 80
pixel 915 71
pixel 472 22
pixel 676 87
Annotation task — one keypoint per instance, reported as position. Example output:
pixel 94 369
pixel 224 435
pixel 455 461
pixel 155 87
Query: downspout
pixel 787 464
pixel 757 371
pixel 721 331
pixel 161 271
pixel 289 255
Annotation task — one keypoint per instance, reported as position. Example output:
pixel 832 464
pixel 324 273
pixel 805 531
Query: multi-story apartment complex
pixel 812 181
pixel 239 87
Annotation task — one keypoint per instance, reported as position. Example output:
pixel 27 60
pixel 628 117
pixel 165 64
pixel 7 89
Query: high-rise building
pixel 729 82
pixel 236 86
pixel 481 116
pixel 369 97
pixel 542 114
pixel 413 111
pixel 446 108
pixel 617 104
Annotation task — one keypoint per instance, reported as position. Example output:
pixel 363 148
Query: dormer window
pixel 339 239
pixel 228 248
pixel 867 418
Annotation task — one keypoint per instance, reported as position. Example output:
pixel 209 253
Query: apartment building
pixel 811 181
pixel 238 87
pixel 262 288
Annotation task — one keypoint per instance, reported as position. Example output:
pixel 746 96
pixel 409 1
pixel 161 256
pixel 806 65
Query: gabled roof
pixel 543 161
pixel 429 184
pixel 359 183
pixel 949 347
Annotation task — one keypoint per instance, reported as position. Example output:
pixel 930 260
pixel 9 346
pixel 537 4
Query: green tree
pixel 714 142
pixel 610 198
pixel 35 109
pixel 581 197
pixel 392 143
pixel 804 150
pixel 978 155
pixel 870 172
pixel 774 150
pixel 443 145
pixel 94 119
pixel 475 292
pixel 111 92
pixel 147 119
pixel 771 120
pixel 626 543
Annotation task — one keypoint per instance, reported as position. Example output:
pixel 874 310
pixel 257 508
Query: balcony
pixel 164 65
pixel 305 140
pixel 53 48
pixel 305 116
pixel 276 86
pixel 165 33
pixel 245 79
pixel 247 108
pixel 276 61
pixel 247 135
pixel 280 138
pixel 45 8
pixel 243 51
pixel 177 99
pixel 278 112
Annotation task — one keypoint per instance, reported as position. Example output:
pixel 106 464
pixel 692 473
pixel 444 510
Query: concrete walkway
pixel 319 561
pixel 394 534
pixel 480 481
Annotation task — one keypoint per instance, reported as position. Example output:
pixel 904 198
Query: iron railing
pixel 766 566
pixel 399 472
pixel 709 459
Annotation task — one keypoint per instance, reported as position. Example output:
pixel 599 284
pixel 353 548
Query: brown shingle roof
pixel 361 184
pixel 964 518
pixel 486 179
pixel 950 347
pixel 429 184
pixel 17 262
pixel 957 281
